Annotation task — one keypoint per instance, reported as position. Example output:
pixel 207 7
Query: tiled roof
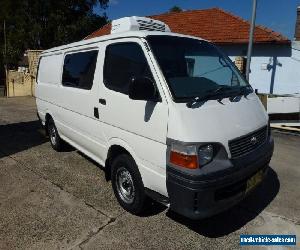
pixel 214 24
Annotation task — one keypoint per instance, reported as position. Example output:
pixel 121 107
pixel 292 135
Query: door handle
pixel 96 113
pixel 102 101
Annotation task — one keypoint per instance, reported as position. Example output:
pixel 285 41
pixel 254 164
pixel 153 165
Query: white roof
pixel 140 34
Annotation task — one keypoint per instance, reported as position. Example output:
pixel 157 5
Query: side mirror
pixel 142 88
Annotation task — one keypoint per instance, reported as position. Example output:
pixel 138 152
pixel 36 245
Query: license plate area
pixel 240 187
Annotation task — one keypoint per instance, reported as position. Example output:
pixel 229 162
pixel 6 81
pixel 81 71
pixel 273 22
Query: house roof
pixel 214 24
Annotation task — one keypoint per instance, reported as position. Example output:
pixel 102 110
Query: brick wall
pixel 20 84
pixel 33 60
pixel 23 84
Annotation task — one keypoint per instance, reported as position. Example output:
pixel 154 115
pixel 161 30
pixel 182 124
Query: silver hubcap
pixel 124 184
pixel 52 134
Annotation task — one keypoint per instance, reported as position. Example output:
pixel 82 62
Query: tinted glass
pixel 79 69
pixel 193 68
pixel 124 61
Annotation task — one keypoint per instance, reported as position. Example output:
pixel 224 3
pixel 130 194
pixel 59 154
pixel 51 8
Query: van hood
pixel 215 121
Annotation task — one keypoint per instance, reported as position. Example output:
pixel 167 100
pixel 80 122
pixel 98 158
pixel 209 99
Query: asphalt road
pixel 51 200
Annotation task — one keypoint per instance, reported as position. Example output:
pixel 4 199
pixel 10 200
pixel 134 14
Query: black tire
pixel 56 142
pixel 135 201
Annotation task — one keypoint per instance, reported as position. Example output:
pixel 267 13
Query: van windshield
pixel 194 68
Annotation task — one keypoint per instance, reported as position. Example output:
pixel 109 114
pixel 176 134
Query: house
pixel 275 65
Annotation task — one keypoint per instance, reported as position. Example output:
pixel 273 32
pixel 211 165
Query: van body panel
pixel 153 174
pixel 71 108
pixel 215 121
pixel 145 124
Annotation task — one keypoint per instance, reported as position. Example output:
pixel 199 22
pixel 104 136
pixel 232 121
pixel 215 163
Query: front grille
pixel 248 143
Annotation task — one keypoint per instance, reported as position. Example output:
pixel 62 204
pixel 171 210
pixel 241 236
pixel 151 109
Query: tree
pixel 42 24
pixel 175 9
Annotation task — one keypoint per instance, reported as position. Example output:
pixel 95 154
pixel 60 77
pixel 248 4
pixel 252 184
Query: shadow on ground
pixel 20 136
pixel 239 215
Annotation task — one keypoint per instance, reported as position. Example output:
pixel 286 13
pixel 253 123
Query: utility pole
pixel 5 61
pixel 251 35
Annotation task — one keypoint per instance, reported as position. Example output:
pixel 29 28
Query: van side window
pixel 123 61
pixel 79 69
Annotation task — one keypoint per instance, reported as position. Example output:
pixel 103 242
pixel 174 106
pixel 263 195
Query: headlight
pixel 205 154
pixel 184 156
pixel 187 156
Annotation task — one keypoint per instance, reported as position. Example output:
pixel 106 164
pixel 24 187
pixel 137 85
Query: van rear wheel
pixel 56 142
pixel 127 184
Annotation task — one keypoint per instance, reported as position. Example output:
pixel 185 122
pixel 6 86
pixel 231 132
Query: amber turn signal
pixel 183 160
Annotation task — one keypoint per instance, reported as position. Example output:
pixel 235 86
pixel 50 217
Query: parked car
pixel 169 116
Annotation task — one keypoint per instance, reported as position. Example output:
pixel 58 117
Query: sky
pixel 278 15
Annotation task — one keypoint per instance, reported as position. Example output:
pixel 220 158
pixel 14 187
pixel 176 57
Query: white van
pixel 169 116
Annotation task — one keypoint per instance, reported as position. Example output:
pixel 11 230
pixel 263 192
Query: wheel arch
pixel 117 147
pixel 48 116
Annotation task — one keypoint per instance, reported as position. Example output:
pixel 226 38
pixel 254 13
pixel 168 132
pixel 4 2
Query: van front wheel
pixel 127 184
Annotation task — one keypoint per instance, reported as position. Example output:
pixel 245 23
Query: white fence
pixel 283 104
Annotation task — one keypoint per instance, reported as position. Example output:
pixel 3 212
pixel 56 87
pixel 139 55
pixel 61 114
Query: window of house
pixel 79 69
pixel 124 61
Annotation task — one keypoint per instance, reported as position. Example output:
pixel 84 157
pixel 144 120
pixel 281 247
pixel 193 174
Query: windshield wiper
pixel 221 88
pixel 246 90
pixel 218 92
pixel 243 91
pixel 203 98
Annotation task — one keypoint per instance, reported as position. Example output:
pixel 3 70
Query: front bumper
pixel 199 197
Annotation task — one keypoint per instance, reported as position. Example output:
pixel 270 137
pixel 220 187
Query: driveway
pixel 51 200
